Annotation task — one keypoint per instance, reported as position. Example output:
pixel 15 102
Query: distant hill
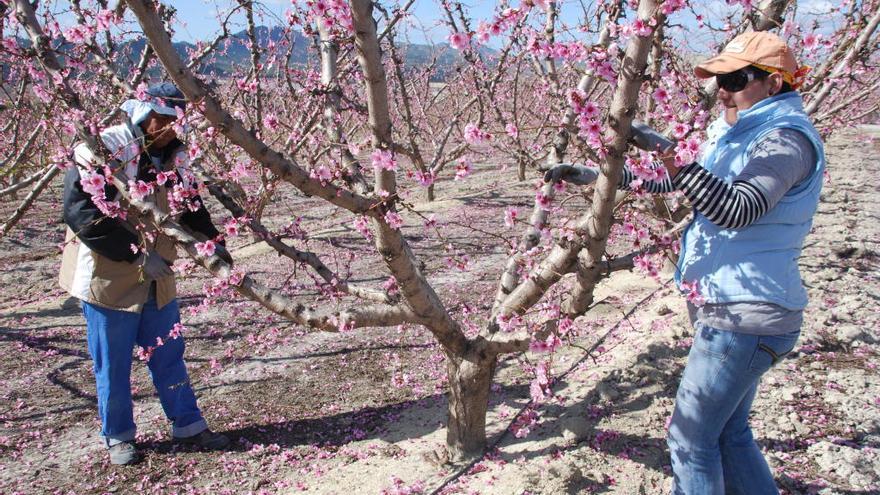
pixel 234 52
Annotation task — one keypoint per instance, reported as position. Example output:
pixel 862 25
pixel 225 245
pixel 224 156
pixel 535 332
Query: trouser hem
pixel 190 429
pixel 111 440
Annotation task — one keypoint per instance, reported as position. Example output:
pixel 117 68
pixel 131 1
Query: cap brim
pixel 163 110
pixel 719 64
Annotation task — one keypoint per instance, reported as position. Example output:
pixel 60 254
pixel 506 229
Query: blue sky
pixel 199 18
pixel 425 24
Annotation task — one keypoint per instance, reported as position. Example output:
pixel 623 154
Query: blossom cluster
pixel 334 15
pixel 93 183
pixel 475 135
pixel 383 160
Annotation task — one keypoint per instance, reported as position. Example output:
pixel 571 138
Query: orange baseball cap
pixel 755 48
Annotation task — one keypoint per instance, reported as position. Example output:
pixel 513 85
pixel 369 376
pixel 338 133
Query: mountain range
pixel 234 52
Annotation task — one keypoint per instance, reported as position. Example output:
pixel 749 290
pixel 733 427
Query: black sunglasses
pixel 736 80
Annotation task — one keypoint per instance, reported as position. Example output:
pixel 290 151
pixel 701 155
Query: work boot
pixel 124 453
pixel 207 439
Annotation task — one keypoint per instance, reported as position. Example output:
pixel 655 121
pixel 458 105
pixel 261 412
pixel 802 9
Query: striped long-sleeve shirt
pixel 779 161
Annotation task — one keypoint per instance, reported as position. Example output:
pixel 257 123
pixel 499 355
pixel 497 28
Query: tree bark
pixel 470 381
pixel 620 116
pixel 510 278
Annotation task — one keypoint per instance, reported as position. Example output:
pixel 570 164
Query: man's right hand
pixel 155 267
pixel 573 174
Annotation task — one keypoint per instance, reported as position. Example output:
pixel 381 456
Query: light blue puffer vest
pixel 756 263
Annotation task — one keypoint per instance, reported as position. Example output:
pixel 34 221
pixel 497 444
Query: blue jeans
pixel 712 447
pixel 112 335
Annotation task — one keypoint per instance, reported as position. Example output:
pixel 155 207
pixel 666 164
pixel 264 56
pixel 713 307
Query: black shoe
pixel 207 439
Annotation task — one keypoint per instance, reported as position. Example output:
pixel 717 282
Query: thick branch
pixel 623 108
pixel 232 128
pixel 538 219
pixel 389 242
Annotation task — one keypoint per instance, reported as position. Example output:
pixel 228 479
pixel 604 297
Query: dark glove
pixel 154 266
pixel 573 174
pixel 648 138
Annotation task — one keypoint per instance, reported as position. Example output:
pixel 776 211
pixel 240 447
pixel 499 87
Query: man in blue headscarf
pixel 122 274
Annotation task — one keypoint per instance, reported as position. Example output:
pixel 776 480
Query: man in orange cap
pixel 754 189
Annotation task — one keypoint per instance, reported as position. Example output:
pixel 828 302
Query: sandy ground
pixel 364 412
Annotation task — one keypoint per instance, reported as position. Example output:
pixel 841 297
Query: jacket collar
pixel 768 109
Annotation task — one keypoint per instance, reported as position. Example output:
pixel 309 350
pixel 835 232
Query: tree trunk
pixel 430 194
pixel 521 171
pixel 469 385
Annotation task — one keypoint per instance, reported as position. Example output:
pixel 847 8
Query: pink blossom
pixel 383 160
pixel 393 219
pixel 459 41
pixel 670 6
pixel 140 92
pixel 591 128
pixel 645 264
pixel 680 130
pixel 163 177
pixel 539 388
pixel 510 215
pixel 548 345
pixel 641 28
pixel 508 323
pixel 41 93
pixel 661 95
pixel 512 131
pixel 139 190
pixel 692 292
pixel 811 41
pixel 425 179
pixel 176 331
pixel 322 173
pixel 106 18
pixel 206 249
pixel 686 152
pixel 399 380
pixel 474 135
pixel 93 183
pixel 542 200
pixel 236 277
pixel 463 169
pixel 521 427
pixel 362 225
pixel 76 34
pixel 145 353
pixel 590 110
pixel 565 326
pixel 431 221
pixel 398 487
pixel 239 171
pixel 231 227
pixel 270 121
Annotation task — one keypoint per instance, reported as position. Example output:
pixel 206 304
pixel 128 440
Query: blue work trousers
pixel 112 335
pixel 710 441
